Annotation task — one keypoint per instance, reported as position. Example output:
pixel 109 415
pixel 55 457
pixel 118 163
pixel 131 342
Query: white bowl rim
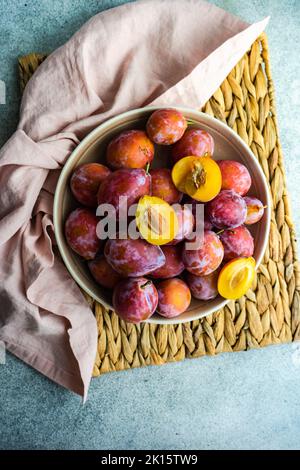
pixel 89 138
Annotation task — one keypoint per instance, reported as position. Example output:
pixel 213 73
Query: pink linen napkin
pixel 162 52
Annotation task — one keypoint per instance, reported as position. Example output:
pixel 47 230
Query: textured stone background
pixel 243 400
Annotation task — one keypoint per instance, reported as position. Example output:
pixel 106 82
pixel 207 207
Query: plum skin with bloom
pixel 130 149
pixel 237 242
pixel 166 126
pixel 85 182
pixel 173 266
pixel 235 176
pixel 103 273
pixel 186 224
pixel 227 210
pixel 195 142
pixel 203 287
pixel 206 222
pixel 135 299
pixel 128 183
pixel 80 232
pixel 205 259
pixel 162 186
pixel 255 210
pixel 133 258
pixel 174 297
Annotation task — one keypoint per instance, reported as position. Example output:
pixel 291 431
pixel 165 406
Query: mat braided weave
pixel 269 313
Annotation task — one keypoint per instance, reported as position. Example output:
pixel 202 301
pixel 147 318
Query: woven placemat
pixel 269 313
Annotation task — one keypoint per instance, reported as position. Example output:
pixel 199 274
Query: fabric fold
pixel 162 52
pixel 196 89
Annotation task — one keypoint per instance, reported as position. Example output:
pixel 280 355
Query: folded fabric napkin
pixel 158 52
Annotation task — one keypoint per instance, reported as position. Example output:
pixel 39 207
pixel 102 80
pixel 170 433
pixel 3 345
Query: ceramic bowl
pixel 228 145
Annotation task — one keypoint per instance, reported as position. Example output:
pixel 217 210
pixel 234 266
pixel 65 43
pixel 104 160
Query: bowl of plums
pixel 162 215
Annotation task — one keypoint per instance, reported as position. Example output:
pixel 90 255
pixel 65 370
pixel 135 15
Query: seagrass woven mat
pixel 270 312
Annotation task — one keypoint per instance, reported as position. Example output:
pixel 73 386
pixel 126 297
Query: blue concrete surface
pixel 234 401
